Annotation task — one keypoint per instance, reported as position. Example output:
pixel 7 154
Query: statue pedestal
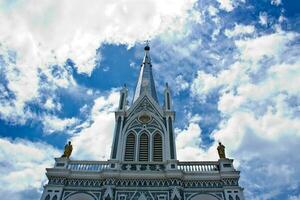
pixel 61 162
pixel 226 165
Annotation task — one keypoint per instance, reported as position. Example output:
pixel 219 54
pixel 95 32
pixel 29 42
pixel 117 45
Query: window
pixel 172 150
pixel 47 197
pixel 130 147
pixel 54 198
pixel 230 197
pixel 157 148
pixel 144 146
pixel 237 197
pixel 168 101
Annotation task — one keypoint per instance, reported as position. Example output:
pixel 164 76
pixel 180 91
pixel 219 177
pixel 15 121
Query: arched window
pixel 54 198
pixel 130 147
pixel 144 147
pixel 168 101
pixel 157 148
pixel 47 197
pixel 230 197
pixel 237 197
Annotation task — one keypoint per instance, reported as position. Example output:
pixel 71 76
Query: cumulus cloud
pixel 240 29
pixel 34 38
pixel 259 105
pixel 188 142
pixel 52 123
pixel 23 166
pixel 95 139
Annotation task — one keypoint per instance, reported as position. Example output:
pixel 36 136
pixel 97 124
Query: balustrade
pixel 88 166
pixel 198 166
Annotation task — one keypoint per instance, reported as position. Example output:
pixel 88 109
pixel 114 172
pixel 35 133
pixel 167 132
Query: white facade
pixel 143 163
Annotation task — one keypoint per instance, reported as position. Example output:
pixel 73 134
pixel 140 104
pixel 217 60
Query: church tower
pixel 143 164
pixel 144 132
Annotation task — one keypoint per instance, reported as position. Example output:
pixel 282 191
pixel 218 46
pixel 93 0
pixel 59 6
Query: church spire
pixel 145 82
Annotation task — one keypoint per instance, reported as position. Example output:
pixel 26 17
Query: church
pixel 143 164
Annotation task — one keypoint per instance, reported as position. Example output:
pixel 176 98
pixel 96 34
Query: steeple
pixel 145 82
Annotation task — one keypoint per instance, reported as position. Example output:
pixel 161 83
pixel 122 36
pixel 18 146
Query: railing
pixel 186 167
pixel 88 165
pixel 198 166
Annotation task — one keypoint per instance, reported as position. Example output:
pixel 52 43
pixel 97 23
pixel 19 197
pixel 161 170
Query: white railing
pixel 88 165
pixel 187 167
pixel 195 167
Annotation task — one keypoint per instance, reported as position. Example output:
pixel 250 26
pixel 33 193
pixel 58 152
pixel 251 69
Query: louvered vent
pixel 157 148
pixel 144 146
pixel 129 149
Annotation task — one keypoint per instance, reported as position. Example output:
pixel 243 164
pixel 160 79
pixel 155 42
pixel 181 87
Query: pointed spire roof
pixel 145 82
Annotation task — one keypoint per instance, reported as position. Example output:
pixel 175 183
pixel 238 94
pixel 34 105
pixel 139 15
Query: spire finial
pixel 147 48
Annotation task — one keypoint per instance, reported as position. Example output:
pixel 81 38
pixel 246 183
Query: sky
pixel 233 67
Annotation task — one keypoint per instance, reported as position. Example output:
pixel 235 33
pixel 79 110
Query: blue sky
pixel 233 67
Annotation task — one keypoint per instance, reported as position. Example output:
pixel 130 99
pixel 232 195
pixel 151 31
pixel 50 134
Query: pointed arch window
pixel 157 148
pixel 130 147
pixel 47 197
pixel 144 147
pixel 54 198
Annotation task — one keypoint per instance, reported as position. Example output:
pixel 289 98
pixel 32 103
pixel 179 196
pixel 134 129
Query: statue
pixel 221 150
pixel 68 150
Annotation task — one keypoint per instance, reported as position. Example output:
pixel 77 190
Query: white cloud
pixel 23 165
pixel 50 104
pixel 226 5
pixel 52 123
pixel 276 2
pixel 259 106
pixel 35 36
pixel 188 142
pixel 240 29
pixel 263 18
pixel 95 139
pixel 181 84
pixel 212 10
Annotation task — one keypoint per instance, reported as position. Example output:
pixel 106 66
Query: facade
pixel 143 163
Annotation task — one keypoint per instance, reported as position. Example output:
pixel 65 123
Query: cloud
pixel 95 139
pixel 181 84
pixel 23 166
pixel 226 5
pixel 240 29
pixel 276 2
pixel 259 105
pixel 36 40
pixel 52 123
pixel 188 142
pixel 263 18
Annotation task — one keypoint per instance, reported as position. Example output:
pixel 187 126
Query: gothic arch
pixel 130 147
pixel 203 197
pixel 157 147
pixel 127 129
pixel 80 196
pixel 47 197
pixel 144 146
